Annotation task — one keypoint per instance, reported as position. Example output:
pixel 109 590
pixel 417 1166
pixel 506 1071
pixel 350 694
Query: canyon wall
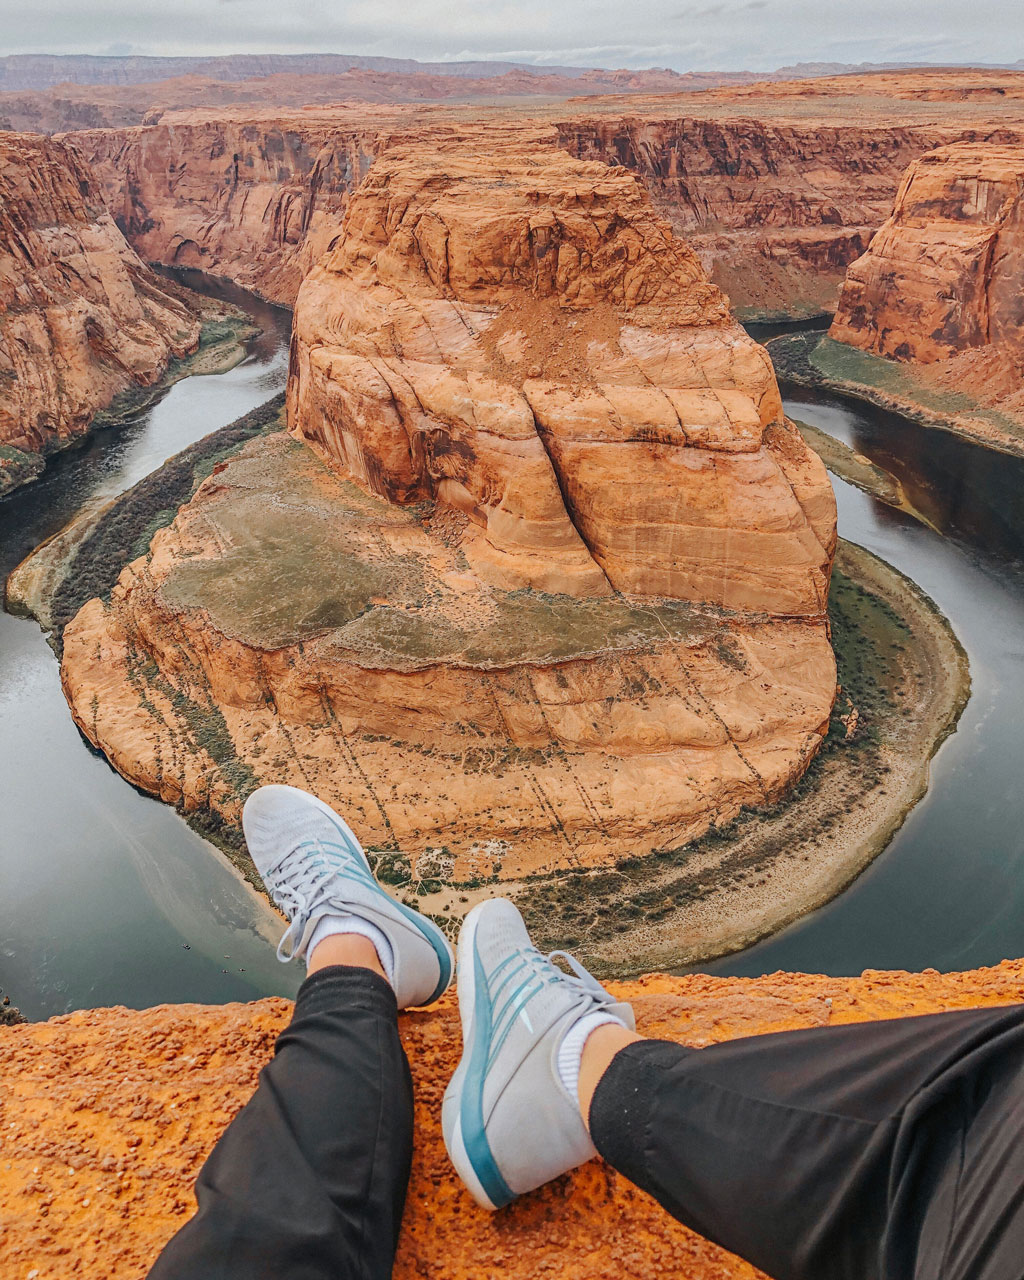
pixel 245 194
pixel 540 578
pixel 939 292
pixel 108 1115
pixel 81 317
pixel 944 271
pixel 776 210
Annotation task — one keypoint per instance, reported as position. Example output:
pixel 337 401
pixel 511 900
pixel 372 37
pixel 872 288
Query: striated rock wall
pixel 107 1116
pixel 943 273
pixel 251 195
pixel 776 209
pixel 81 317
pixel 542 355
pixel 549 587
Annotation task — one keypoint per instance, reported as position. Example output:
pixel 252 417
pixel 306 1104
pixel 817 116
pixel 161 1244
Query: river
pixel 948 891
pixel 107 897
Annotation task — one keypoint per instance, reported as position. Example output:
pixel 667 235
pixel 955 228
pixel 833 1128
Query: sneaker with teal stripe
pixel 313 866
pixel 509 1123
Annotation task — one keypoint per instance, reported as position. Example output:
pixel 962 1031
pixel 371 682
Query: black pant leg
pixel 879 1151
pixel 308 1181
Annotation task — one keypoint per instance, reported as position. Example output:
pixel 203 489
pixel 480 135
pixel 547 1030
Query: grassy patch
pixel 126 530
pixel 809 359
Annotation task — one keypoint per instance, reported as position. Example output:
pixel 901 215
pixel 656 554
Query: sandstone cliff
pixel 249 194
pixel 775 209
pixel 107 1116
pixel 81 317
pixel 553 591
pixel 940 286
pixel 944 271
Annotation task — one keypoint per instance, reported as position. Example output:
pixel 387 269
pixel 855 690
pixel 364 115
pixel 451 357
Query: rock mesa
pixel 540 579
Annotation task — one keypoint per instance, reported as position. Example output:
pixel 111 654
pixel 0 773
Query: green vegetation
pixel 126 530
pixel 808 359
pixel 17 468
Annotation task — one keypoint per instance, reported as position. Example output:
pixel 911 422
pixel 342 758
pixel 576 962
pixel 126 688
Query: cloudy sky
pixel 684 34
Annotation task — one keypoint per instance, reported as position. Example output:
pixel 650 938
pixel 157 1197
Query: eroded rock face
pixel 540 353
pixel 776 209
pixel 548 588
pixel 81 317
pixel 251 195
pixel 943 274
pixel 108 1115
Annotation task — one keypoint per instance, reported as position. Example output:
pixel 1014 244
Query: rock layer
pixel 108 1114
pixel 943 273
pixel 554 591
pixel 539 353
pixel 81 317
pixel 776 208
pixel 939 286
pixel 252 195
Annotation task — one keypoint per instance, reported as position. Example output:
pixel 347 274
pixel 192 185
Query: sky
pixel 683 34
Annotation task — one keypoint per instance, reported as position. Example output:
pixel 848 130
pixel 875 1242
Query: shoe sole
pixel 464 1094
pixel 429 930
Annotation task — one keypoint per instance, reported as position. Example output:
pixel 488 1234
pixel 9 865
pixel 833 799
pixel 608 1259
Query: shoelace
pixel 300 889
pixel 535 971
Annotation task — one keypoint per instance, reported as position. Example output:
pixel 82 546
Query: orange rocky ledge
pixel 106 1117
pixel 548 589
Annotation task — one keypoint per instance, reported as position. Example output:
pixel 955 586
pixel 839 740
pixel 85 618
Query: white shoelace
pixel 299 890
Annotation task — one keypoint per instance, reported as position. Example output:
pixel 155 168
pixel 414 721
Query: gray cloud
pixel 709 34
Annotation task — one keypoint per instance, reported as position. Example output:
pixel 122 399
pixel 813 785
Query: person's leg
pixel 878 1151
pixel 309 1179
pixel 308 1182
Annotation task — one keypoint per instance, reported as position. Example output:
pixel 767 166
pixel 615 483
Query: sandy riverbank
pixel 815 360
pixel 902 668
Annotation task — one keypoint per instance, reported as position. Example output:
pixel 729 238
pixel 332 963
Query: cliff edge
pixel 108 1114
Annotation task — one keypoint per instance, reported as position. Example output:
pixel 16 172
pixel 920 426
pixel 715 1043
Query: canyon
pixel 778 187
pixel 438 601
pixel 82 318
pixel 530 579
pixel 108 1115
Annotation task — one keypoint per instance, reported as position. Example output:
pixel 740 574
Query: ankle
pixel 603 1043
pixel 350 949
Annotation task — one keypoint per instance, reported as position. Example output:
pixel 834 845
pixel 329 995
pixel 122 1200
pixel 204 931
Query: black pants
pixel 882 1151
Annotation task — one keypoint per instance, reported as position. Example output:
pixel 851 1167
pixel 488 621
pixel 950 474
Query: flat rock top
pixel 290 551
pixel 107 1116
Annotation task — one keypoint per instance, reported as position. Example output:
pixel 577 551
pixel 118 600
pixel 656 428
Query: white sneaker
pixel 509 1123
pixel 313 866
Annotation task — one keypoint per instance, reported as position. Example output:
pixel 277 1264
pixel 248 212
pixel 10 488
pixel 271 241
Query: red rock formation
pixel 81 318
pixel 776 209
pixel 252 195
pixel 944 272
pixel 108 1114
pixel 560 596
pixel 516 349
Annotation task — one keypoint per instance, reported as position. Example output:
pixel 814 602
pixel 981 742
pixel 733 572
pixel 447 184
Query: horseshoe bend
pixel 535 579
